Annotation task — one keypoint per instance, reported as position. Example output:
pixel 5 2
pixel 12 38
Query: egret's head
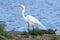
pixel 22 6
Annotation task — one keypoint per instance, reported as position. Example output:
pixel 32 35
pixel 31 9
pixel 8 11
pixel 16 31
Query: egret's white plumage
pixel 30 19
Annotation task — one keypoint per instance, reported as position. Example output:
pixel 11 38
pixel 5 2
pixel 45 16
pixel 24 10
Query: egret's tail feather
pixel 42 26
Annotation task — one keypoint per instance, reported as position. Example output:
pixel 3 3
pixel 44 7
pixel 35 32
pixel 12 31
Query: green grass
pixel 58 36
pixel 2 32
pixel 53 37
pixel 36 32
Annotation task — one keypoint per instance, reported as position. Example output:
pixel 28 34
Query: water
pixel 47 11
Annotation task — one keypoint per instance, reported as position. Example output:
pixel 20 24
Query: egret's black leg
pixel 33 31
pixel 28 32
pixel 28 28
pixel 33 28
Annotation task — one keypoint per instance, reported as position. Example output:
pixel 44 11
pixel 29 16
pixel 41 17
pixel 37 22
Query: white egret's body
pixel 30 19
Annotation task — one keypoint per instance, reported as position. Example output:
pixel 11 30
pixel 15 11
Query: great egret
pixel 30 19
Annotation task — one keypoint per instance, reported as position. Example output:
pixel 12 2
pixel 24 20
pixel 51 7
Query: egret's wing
pixel 34 20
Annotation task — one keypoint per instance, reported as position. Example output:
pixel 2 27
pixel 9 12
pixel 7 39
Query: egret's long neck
pixel 23 12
